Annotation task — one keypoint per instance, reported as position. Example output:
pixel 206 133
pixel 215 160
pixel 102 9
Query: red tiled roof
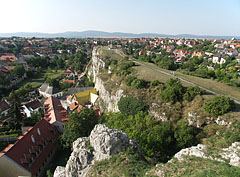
pixel 55 111
pixel 22 151
pixel 68 81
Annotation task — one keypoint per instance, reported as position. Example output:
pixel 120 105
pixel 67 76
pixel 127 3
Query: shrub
pixel 129 80
pixel 191 92
pixel 128 105
pixel 173 91
pixel 139 83
pixel 185 135
pixel 219 105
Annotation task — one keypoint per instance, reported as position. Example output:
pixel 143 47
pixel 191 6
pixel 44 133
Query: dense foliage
pixel 134 82
pixel 78 125
pixel 185 135
pixel 219 105
pixel 128 105
pixel 173 91
pixel 156 140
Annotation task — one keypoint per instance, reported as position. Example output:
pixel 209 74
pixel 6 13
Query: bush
pixel 128 105
pixel 139 83
pixel 219 105
pixel 78 125
pixel 191 92
pixel 155 139
pixel 173 91
pixel 185 135
pixel 129 80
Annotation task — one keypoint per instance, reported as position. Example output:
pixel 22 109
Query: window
pixel 24 155
pixel 33 140
pixel 38 130
pixel 30 151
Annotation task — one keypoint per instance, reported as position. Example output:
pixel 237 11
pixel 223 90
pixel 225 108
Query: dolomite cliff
pixel 107 100
pixel 102 143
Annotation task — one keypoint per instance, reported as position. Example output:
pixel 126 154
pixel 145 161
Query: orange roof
pixel 69 81
pixel 55 111
pixel 24 148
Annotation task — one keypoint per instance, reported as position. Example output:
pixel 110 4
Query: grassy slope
pixel 119 165
pixel 197 167
pixel 212 85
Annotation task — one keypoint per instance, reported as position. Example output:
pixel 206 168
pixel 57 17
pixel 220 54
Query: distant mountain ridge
pixel 102 34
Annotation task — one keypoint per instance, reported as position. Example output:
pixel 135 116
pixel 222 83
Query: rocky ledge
pixel 102 143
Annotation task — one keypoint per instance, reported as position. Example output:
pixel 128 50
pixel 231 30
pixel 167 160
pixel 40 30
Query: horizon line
pixel 120 32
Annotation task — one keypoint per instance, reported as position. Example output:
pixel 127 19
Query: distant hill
pixel 102 34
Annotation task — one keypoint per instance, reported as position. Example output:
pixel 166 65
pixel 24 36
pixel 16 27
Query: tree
pixel 78 125
pixel 191 92
pixel 16 109
pixel 4 80
pixel 131 106
pixel 185 135
pixel 18 71
pixel 173 91
pixel 219 105
pixel 155 139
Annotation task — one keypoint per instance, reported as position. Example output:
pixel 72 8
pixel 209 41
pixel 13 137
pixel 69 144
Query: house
pixel 31 153
pixel 46 91
pixel 196 53
pixel 31 107
pixel 218 59
pixel 88 96
pixel 75 107
pixel 54 113
pixel 69 72
pixel 4 108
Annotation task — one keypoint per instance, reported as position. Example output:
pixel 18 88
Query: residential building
pixel 88 96
pixel 31 153
pixel 4 108
pixel 31 107
pixel 46 91
pixel 55 113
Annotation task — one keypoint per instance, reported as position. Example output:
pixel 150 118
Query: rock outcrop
pixel 230 155
pixel 107 100
pixel 102 143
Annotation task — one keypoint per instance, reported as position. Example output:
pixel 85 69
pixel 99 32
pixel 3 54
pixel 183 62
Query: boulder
pixel 102 144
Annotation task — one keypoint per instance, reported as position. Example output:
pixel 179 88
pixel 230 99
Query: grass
pixel 149 75
pixel 121 164
pixel 198 167
pixel 212 85
pixel 10 135
pixel 40 79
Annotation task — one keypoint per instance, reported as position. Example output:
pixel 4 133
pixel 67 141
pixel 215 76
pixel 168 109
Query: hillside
pixel 174 131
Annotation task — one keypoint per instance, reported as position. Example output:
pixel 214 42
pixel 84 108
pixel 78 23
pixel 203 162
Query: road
pixel 171 75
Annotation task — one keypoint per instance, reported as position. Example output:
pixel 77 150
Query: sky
pixel 200 17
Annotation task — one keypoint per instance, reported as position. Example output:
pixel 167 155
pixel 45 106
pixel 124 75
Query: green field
pixel 39 80
pixel 212 85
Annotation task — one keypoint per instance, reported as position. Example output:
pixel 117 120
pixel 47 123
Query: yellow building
pixel 85 96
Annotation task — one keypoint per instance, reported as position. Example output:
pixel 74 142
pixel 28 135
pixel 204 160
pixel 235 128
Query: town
pixel 44 81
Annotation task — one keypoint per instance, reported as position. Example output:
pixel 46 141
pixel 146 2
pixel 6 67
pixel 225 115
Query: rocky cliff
pixel 102 143
pixel 107 98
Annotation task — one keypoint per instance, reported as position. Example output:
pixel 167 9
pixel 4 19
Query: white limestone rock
pixel 59 172
pixel 197 151
pixel 105 142
pixel 232 154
